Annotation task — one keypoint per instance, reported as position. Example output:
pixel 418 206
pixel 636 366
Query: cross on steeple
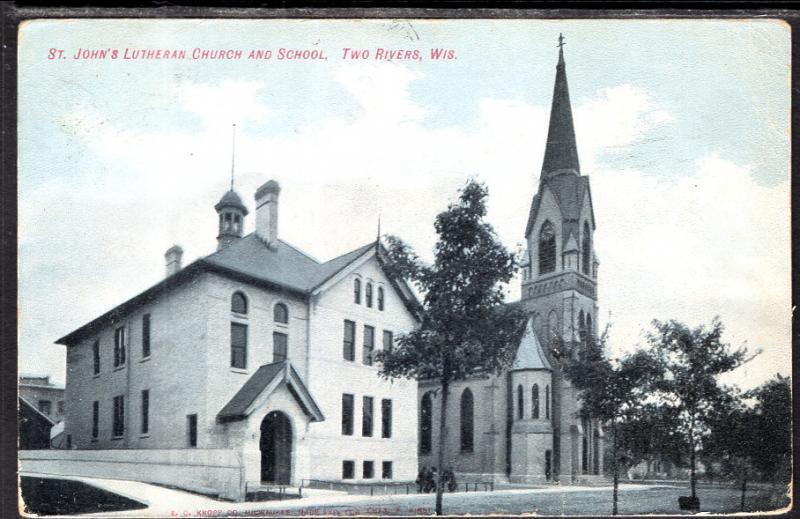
pixel 560 41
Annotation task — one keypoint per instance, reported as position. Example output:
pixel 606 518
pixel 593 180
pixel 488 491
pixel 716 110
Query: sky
pixel 682 127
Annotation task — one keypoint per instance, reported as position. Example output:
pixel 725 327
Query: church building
pixel 257 353
pixel 523 426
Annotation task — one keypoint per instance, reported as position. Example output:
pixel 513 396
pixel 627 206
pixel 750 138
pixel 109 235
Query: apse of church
pixel 523 426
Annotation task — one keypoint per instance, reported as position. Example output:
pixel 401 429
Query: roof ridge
pixel 301 251
pixel 351 251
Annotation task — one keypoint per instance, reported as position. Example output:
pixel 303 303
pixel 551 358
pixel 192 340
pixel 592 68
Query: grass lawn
pixel 45 496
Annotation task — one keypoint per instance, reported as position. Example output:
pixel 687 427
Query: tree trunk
pixel 692 461
pixel 744 488
pixel 440 460
pixel 615 466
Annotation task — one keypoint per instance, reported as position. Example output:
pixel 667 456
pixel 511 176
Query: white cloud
pixel 702 243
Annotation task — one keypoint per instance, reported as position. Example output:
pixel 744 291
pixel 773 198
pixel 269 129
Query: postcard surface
pixel 404 267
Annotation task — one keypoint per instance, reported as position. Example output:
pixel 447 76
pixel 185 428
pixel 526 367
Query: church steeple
pixel 561 153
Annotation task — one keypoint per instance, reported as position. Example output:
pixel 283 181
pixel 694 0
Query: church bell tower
pixel 559 273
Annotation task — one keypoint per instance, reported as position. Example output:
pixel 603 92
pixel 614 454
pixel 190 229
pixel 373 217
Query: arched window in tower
pixel 547 402
pixel 380 299
pixel 552 327
pixel 537 323
pixel 535 400
pixel 368 295
pixel 237 223
pixel 589 328
pixel 280 314
pixel 238 303
pixel 581 326
pixel 586 247
pixel 547 248
pixel 520 403
pixel 426 424
pixel 227 224
pixel 467 421
pixel 357 291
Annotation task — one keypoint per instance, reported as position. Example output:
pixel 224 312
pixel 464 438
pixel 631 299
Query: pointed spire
pixel 378 240
pixel 233 153
pixel 561 152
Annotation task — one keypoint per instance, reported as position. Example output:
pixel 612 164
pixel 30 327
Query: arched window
pixel 537 323
pixel 586 247
pixel 581 326
pixel 467 422
pixel 535 400
pixel 552 327
pixel 368 295
pixel 547 402
pixel 380 299
pixel 520 403
pixel 280 314
pixel 426 424
pixel 589 328
pixel 357 291
pixel 238 303
pixel 547 248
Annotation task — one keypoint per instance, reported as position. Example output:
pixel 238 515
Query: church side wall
pixel 330 376
pixel 486 461
pixel 174 374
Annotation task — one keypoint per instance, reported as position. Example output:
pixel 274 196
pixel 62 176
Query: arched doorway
pixel 276 448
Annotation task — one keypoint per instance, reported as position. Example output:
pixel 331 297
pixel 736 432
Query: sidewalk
pixel 166 502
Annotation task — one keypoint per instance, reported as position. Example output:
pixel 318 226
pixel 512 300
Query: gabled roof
pixel 283 265
pixel 264 381
pixel 530 354
pixel 23 402
pixel 283 268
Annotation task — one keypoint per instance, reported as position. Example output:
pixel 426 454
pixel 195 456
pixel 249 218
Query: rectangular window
pixel 369 344
pixel 348 403
pixel 348 469
pixel 145 411
pixel 388 340
pixel 279 347
pixel 386 418
pixel 69 441
pixel 45 407
pixel 95 419
pixel 238 345
pixel 191 429
pixel 368 470
pixel 366 417
pixel 386 470
pixel 119 346
pixel 118 428
pixel 146 335
pixel 60 407
pixel 96 354
pixel 349 345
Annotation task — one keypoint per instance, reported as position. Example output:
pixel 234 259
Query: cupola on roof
pixel 231 199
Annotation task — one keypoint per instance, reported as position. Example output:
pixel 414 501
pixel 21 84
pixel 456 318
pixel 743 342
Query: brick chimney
pixel 173 256
pixel 267 213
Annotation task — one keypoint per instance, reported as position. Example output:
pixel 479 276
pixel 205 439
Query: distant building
pixel 259 349
pixel 34 427
pixel 47 397
pixel 523 425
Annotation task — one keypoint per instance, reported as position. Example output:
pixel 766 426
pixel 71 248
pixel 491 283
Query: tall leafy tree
pixel 617 392
pixel 466 328
pixel 693 359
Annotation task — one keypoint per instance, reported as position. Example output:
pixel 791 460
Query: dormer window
pixel 239 303
pixel 280 314
pixel 368 295
pixel 547 248
pixel 357 291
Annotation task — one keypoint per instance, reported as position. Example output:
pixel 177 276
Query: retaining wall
pixel 220 471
